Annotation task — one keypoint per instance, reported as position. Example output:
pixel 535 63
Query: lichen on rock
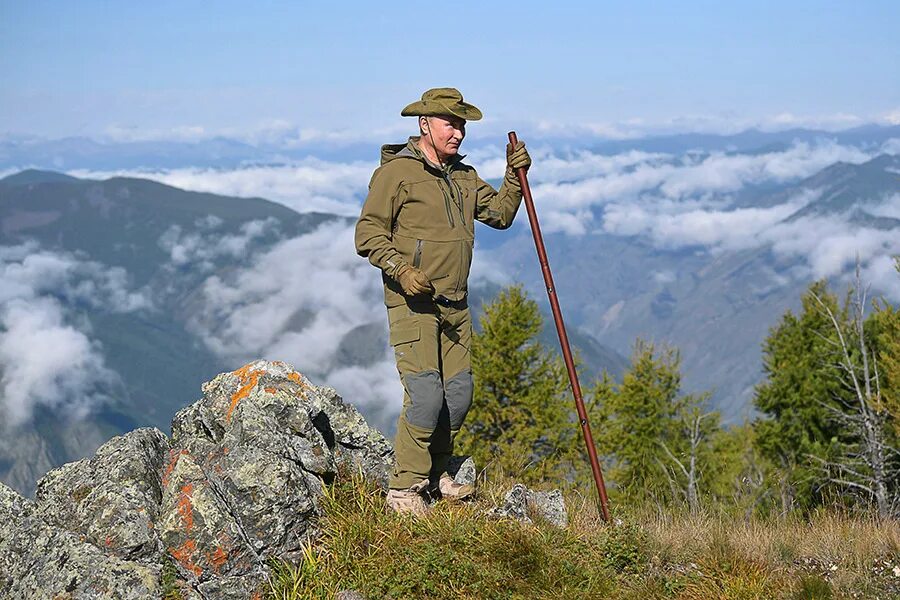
pixel 112 499
pixel 522 503
pixel 237 485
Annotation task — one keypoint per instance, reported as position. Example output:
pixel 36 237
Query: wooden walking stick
pixel 563 338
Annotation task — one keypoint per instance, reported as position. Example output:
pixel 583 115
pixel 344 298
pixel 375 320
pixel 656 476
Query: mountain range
pixel 18 152
pixel 164 284
pixel 716 306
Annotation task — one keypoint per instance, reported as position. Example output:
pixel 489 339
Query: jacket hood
pixel 410 150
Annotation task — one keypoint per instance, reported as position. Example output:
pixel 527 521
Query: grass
pixel 458 551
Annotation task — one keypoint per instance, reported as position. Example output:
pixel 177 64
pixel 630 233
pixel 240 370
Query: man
pixel 417 226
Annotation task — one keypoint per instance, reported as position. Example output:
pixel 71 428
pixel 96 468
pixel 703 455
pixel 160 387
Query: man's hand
pixel 413 281
pixel 517 157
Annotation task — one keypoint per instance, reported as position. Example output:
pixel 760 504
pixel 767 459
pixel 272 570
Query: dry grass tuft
pixel 459 551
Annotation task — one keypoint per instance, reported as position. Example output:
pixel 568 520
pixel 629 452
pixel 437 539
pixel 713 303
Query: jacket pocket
pixel 465 263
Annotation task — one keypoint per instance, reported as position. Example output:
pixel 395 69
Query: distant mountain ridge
pixel 118 223
pixel 224 153
pixel 844 185
pixel 715 307
pixel 126 223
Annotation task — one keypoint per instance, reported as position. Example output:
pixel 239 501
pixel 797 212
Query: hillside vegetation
pixel 457 551
pixel 801 502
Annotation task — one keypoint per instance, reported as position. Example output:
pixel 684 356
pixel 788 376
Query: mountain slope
pixel 714 303
pixel 118 223
pixel 129 263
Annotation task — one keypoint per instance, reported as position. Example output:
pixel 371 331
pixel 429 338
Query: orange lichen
pixel 217 558
pixel 248 379
pixel 185 508
pixel 184 553
pixel 298 379
pixel 174 455
pixel 270 390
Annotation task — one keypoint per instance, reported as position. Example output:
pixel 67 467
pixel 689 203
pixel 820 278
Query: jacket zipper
pixel 417 257
pixel 462 216
pixel 447 205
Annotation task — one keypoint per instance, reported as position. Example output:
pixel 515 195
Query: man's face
pixel 446 134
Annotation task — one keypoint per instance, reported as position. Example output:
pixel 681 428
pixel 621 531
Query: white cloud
pixel 830 245
pixel 274 134
pixel 892 117
pixel 664 277
pixel 635 187
pixel 486 270
pixel 180 133
pixel 296 302
pixel 47 357
pixel 376 389
pixel 47 362
pixel 713 124
pixel 203 246
pixel 28 271
pixel 827 122
pixel 309 185
pixel 881 273
pixel 717 229
pixel 889 207
pixel 691 177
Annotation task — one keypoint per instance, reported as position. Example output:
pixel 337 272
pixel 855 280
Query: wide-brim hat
pixel 439 102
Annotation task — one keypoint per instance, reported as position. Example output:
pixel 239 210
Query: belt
pixel 451 303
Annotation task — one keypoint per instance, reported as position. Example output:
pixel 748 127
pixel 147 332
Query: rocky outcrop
pixel 38 560
pixel 237 484
pixel 522 504
pixel 111 500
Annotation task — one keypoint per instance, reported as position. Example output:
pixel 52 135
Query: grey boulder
pixel 237 485
pixel 522 504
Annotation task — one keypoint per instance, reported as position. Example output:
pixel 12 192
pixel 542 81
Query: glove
pixel 413 281
pixel 517 157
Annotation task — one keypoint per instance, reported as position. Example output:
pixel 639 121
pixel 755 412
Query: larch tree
pixel 657 442
pixel 520 418
pixel 796 399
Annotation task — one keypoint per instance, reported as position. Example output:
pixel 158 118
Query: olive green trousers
pixel 431 344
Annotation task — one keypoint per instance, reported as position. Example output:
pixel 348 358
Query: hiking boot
pixel 451 490
pixel 409 501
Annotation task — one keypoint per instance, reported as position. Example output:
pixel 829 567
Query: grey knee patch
pixel 458 393
pixel 426 396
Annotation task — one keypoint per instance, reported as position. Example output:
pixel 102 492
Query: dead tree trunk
pixel 690 471
pixel 866 468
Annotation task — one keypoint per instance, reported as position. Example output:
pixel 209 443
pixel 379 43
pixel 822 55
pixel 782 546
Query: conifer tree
pixel 520 415
pixel 737 475
pixel 867 466
pixel 658 442
pixel 797 396
pixel 885 326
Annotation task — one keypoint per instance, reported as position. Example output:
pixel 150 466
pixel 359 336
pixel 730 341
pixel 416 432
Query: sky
pixel 189 69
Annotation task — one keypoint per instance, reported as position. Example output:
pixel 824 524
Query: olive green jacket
pixel 419 214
